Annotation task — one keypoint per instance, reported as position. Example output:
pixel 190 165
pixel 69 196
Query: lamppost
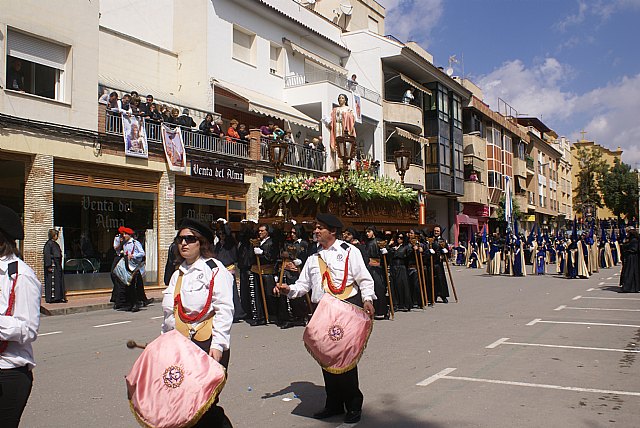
pixel 401 158
pixel 346 145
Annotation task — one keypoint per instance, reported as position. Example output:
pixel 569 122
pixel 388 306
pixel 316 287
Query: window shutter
pixel 28 48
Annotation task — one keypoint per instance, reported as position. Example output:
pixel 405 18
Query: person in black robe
pixel 373 258
pixel 439 250
pixel 417 247
pixel 245 259
pixel 267 252
pixel 226 251
pixel 630 275
pixel 400 251
pixel 54 289
pixel 294 255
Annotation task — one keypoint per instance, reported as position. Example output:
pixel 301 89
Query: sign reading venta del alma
pixel 217 172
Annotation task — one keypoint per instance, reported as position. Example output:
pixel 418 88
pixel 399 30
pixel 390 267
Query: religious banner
pixel 174 149
pixel 135 137
pixel 357 107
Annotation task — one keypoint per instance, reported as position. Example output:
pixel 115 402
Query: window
pixel 445 155
pixel 443 104
pixel 489 134
pixel 373 25
pixel 275 64
pixel 521 151
pixel 35 66
pixel 507 144
pixel 497 138
pixel 244 46
pixel 456 110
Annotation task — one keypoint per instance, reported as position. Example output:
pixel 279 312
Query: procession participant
pixel 518 257
pixel 245 260
pixel 372 255
pixel 20 293
pixel 135 257
pixel 199 302
pixel 630 275
pixel 294 256
pixel 401 254
pixel 342 261
pixel 483 245
pixel 508 254
pixel 606 256
pixel 226 251
pixel 541 257
pixel 263 280
pixel 615 248
pixel 461 254
pixel 439 251
pixel 414 239
pixel 428 258
pixel 119 292
pixel 54 289
pixel 583 258
pixel 561 256
pixel 495 255
pixel 474 257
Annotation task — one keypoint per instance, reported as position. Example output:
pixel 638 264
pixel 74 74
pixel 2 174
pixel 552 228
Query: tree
pixel 619 187
pixel 516 213
pixel 592 168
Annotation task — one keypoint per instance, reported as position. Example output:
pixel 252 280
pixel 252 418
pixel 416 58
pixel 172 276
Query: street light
pixel 346 145
pixel 401 158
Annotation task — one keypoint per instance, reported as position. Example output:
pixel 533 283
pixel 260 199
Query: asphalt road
pixel 514 352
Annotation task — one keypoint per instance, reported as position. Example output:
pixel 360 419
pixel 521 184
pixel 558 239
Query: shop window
pixel 35 66
pixel 244 45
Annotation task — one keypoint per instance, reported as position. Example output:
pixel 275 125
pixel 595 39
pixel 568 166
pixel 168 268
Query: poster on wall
pixel 357 107
pixel 135 137
pixel 174 149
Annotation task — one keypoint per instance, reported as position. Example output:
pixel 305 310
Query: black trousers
pixel 15 388
pixel 245 292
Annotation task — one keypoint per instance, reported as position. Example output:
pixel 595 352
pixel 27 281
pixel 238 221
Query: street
pixel 525 352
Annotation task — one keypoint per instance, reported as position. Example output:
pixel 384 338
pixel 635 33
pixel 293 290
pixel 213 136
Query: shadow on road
pixel 311 397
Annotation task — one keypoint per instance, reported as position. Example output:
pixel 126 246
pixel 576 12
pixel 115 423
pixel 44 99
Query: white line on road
pixel 601 283
pixel 443 375
pixel 111 323
pixel 609 278
pixel 497 343
pixel 538 320
pixel 576 298
pixel 591 289
pixel 155 318
pixel 542 345
pixel 50 333
pixel 609 298
pixel 561 307
pixel 600 309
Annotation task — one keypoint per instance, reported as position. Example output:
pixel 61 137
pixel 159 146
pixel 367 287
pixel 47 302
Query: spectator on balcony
pixel 243 132
pixel 351 83
pixel 165 111
pixel 146 107
pixel 125 104
pixel 216 129
pixel 267 130
pixel 185 120
pixel 15 76
pixel 174 118
pixel 135 105
pixel 232 132
pixel 104 98
pixel 113 103
pixel 207 124
pixel 408 97
pixel 473 176
pixel 153 114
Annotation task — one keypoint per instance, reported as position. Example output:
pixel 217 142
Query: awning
pixel 268 106
pixel 465 219
pixel 315 58
pixel 413 137
pixel 414 84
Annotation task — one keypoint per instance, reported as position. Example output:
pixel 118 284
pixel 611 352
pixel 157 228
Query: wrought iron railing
pixel 194 140
pixel 298 156
pixel 332 77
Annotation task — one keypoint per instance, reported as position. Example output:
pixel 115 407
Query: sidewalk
pixel 91 302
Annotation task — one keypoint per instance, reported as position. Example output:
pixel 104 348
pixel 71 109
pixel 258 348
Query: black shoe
pixel 378 317
pixel 287 325
pixel 148 301
pixel 136 308
pixel 123 308
pixel 444 300
pixel 327 413
pixel 352 416
pixel 254 323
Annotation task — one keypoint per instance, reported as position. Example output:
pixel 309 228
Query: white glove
pixel 297 262
pixel 432 251
pixel 383 251
pixel 221 220
pixel 293 222
pixel 445 251
pixel 258 251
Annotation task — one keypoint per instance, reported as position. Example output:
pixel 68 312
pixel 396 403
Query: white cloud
pixel 608 114
pixel 412 20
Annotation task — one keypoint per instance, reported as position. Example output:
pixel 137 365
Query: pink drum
pixel 173 382
pixel 337 334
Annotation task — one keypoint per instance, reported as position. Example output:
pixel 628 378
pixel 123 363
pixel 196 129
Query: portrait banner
pixel 357 107
pixel 135 137
pixel 174 149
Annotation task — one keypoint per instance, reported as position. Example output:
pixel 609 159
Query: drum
pixel 173 383
pixel 123 272
pixel 337 334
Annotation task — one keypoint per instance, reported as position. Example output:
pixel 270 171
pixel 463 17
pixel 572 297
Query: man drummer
pixel 345 265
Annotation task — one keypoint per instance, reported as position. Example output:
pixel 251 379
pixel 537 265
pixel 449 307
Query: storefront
pixel 89 207
pixel 212 191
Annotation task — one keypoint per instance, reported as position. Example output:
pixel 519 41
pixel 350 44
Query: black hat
pixel 10 224
pixel 329 220
pixel 200 227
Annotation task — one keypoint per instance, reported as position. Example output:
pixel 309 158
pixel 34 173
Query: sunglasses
pixel 189 239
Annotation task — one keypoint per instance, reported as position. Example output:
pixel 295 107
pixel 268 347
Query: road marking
pixel 50 333
pixel 503 341
pixel 609 298
pixel 497 343
pixel 601 283
pixel 111 323
pixel 561 307
pixel 599 309
pixel 155 318
pixel 609 278
pixel 576 298
pixel 538 320
pixel 443 375
pixel 591 289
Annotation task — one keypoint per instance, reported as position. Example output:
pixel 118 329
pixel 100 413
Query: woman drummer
pixel 199 301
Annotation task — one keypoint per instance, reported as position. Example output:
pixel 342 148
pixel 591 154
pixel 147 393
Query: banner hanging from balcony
pixel 135 137
pixel 357 107
pixel 174 149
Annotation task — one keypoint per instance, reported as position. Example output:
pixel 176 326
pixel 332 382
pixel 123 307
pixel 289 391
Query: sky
pixel 575 64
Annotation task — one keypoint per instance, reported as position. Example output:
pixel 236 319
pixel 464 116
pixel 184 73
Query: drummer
pixel 192 281
pixel 342 389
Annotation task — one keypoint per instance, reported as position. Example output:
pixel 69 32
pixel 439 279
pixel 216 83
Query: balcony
pixel 332 77
pixel 298 156
pixel 193 140
pixel 414 175
pixel 519 167
pixel 406 116
pixel 475 192
pixel 474 146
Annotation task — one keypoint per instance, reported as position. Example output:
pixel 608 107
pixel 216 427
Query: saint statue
pixel 342 120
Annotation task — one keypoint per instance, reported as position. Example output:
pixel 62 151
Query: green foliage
pixel 368 188
pixel 592 168
pixel 516 213
pixel 619 187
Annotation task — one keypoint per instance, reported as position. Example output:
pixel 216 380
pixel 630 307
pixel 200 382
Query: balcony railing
pixel 335 78
pixel 298 156
pixel 192 139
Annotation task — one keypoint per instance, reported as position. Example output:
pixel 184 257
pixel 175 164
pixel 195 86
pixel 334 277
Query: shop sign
pixel 107 212
pixel 217 172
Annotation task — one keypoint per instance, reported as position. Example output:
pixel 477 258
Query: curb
pixel 79 309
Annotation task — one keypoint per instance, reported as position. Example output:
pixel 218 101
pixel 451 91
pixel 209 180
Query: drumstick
pixel 132 344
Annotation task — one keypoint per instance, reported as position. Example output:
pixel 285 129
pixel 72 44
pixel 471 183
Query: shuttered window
pixel 243 46
pixel 33 49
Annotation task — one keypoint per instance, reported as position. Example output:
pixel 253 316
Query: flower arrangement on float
pixel 367 187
